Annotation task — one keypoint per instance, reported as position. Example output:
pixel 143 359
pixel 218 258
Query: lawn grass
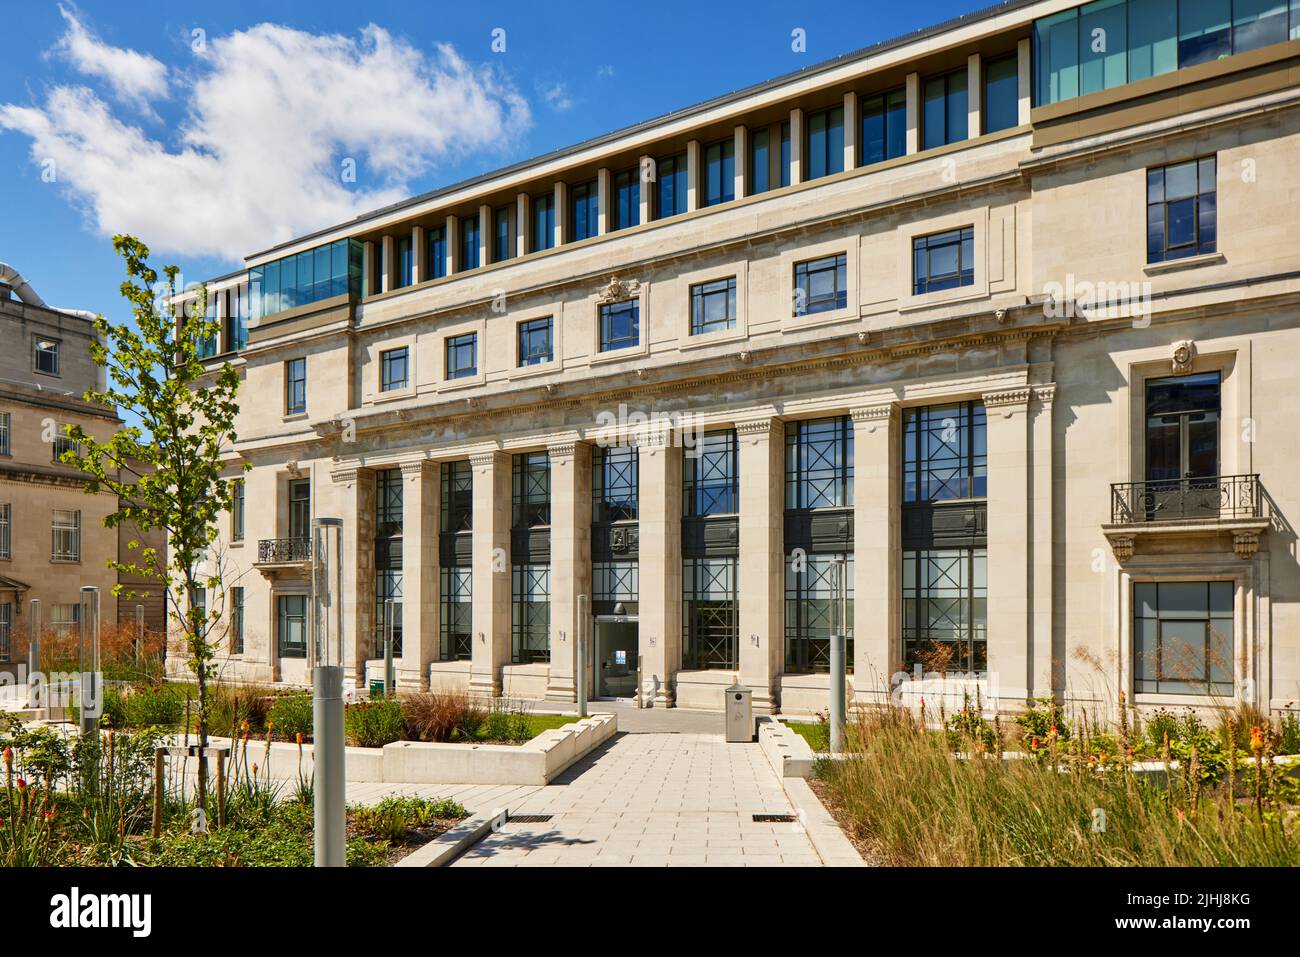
pixel 817 735
pixel 537 723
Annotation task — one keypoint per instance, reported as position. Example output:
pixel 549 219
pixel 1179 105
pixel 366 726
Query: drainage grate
pixel 529 818
pixel 774 818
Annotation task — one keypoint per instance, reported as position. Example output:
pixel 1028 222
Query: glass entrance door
pixel 1182 446
pixel 616 651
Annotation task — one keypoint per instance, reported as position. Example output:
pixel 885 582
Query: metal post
pixel 583 624
pixel 330 835
pixel 838 678
pixel 390 679
pixel 88 661
pixel 139 634
pixel 36 678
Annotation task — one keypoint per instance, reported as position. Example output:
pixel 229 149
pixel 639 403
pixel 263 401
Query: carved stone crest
pixel 1184 352
pixel 617 289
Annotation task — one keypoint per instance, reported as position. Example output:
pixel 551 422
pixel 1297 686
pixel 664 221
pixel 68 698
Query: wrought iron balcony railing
pixel 273 551
pixel 1204 499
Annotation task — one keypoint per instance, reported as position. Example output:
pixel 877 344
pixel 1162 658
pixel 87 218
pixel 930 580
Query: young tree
pixel 166 472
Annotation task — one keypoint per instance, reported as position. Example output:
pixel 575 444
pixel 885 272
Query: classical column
pixel 358 507
pixel 660 563
pixel 761 571
pixel 851 130
pixel 1041 671
pixel 387 265
pixel 420 489
pixel 603 218
pixel 419 256
pixel 796 146
pixel 877 543
pixel 570 560
pixel 912 95
pixel 1009 543
pixel 693 190
pixel 741 150
pixel 491 571
pixel 1024 80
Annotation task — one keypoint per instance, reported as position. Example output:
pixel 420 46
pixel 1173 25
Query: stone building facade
pixel 976 345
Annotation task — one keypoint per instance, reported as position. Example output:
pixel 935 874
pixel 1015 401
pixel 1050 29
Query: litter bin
pixel 738 705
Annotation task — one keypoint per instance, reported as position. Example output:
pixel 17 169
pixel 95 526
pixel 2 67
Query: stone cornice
pixel 412 469
pixel 483 460
pixel 1008 400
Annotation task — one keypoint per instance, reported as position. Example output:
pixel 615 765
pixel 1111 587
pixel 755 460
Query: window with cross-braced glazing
pixel 710 615
pixel 388 558
pixel 945 452
pixel 457 496
pixel 710 481
pixel 615 581
pixel 819 464
pixel 945 609
pixel 818 604
pixel 532 490
pixel 614 483
pixel 456 635
pixel 530 614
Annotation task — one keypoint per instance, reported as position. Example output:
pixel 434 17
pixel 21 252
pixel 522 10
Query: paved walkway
pixel 654 799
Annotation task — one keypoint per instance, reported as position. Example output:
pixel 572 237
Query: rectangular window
pixel 671 198
pixel 503 246
pixel 620 325
pixel 1183 637
pixel 720 172
pixel 393 369
pixel 818 604
pixel 615 582
pixel 943 261
pixel 307 277
pixel 945 609
pixel 462 356
pixel 710 614
pixel 1182 215
pixel 543 222
pixel 530 614
pixel 4 433
pixel 45 355
pixel 237 313
pixel 884 126
pixel 944 118
pixel 1258 23
pixel 457 500
pixel 713 306
pixel 819 464
pixel 760 159
pixel 388 558
pixel 531 482
pixel 456 635
pixel 711 476
pixel 536 341
pixel 584 211
pixel 785 153
pixel 627 199
pixel 291 625
pixel 65 534
pixel 6 530
pixel 65 619
pixel 945 452
pixel 237 510
pixel 1001 93
pixel 470 254
pixel 821 285
pixel 824 143
pixel 1204 31
pixel 295 386
pixel 299 491
pixel 1103 46
pixel 405 255
pixel 237 621
pixel 614 483
pixel 437 262
pixel 6 637
pixel 1182 444
pixel 1152 38
pixel 63 445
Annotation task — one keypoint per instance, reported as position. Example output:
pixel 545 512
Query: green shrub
pixel 394 817
pixel 147 706
pixel 441 715
pixel 1038 722
pixel 290 716
pixel 373 724
pixel 1289 733
pixel 506 720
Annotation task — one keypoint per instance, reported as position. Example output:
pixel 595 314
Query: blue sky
pixel 144 124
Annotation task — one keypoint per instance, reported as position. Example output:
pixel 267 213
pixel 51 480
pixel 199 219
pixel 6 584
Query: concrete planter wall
pixel 416 762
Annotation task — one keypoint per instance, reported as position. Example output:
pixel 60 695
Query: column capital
pixel 755 429
pixel 413 469
pixel 1045 394
pixel 1008 401
pixel 345 475
pixel 563 451
pixel 484 459
pixel 872 417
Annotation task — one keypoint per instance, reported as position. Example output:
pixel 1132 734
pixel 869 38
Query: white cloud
pixel 556 96
pixel 271 114
pixel 134 77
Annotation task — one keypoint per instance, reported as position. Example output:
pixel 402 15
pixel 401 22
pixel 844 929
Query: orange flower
pixel 298 737
pixel 1033 743
pixel 9 757
pixel 1257 739
pixel 22 784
